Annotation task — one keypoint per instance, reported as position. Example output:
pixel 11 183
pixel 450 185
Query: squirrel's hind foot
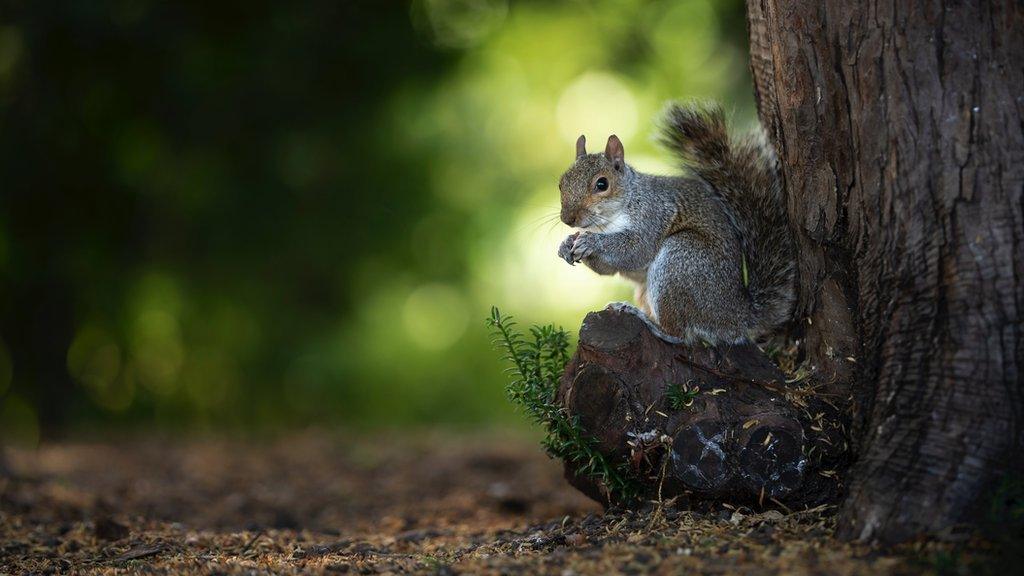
pixel 651 324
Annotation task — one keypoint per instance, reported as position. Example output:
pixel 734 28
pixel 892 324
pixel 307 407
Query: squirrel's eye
pixel 601 184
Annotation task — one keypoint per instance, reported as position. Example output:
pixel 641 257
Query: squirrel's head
pixel 593 188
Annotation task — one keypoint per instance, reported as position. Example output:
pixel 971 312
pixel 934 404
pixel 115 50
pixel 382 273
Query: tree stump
pixel 744 435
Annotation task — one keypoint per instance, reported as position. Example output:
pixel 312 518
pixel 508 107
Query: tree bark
pixel 899 129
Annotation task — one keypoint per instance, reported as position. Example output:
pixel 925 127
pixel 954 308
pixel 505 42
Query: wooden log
pixel 744 435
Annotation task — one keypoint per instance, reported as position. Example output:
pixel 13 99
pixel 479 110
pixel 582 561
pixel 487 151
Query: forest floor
pixel 437 502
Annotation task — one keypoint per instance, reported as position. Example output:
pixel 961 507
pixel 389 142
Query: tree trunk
pixel 899 129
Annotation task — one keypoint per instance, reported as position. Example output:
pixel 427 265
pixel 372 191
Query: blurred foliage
pixel 264 214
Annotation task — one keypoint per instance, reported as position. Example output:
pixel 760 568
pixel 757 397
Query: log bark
pixel 899 129
pixel 745 436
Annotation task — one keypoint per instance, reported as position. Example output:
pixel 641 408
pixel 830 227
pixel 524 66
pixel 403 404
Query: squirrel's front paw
pixel 584 246
pixel 565 250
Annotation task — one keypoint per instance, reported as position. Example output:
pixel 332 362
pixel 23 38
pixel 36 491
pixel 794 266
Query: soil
pixel 426 502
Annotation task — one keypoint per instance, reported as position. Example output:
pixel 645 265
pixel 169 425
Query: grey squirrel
pixel 711 253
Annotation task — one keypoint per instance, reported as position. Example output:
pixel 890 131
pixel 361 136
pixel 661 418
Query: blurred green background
pixel 264 214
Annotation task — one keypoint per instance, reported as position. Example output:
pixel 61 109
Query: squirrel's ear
pixel 614 152
pixel 581 146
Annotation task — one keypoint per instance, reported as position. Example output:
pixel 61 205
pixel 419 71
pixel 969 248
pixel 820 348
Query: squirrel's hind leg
pixel 695 290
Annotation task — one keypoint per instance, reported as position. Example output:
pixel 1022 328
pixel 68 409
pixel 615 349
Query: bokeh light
pixel 435 316
pixel 95 362
pixel 598 104
pixel 459 23
pixel 11 48
pixel 18 421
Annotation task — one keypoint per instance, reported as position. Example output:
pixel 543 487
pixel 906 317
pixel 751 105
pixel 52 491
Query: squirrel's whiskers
pixel 535 224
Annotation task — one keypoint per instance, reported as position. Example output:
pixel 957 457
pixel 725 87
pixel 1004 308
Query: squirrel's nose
pixel 569 216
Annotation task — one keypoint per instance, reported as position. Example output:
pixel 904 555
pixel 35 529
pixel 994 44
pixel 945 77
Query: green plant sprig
pixel 537 364
pixel 681 395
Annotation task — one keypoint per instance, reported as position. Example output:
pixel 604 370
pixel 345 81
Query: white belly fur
pixel 654 282
pixel 615 224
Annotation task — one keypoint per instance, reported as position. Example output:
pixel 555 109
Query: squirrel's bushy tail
pixel 745 174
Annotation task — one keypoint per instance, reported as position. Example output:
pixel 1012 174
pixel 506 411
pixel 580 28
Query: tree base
pixel 704 424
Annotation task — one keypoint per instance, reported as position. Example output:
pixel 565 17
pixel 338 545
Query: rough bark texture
pixel 745 437
pixel 899 128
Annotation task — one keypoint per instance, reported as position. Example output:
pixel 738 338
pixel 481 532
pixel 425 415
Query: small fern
pixel 537 364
